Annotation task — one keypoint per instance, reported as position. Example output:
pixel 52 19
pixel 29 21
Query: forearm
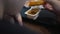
pixel 56 5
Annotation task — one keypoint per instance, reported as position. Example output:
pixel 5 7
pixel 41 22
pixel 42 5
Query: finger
pixel 19 18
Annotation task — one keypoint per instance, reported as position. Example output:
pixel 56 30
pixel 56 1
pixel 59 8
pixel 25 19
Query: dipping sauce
pixel 33 11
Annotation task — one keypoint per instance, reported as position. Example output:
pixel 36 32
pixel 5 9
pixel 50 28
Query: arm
pixel 13 7
pixel 55 4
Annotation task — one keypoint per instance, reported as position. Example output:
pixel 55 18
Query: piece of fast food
pixel 34 3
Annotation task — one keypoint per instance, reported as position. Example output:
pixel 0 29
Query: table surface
pixel 34 27
pixel 45 17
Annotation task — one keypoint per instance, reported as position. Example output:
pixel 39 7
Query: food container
pixel 33 13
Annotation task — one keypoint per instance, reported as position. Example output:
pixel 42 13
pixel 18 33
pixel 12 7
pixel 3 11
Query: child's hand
pixel 48 6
